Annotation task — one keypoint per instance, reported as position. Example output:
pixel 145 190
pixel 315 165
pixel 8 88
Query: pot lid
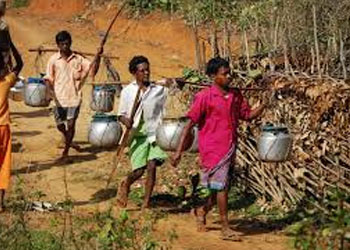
pixel 104 117
pixel 274 128
pixel 35 80
pixel 105 87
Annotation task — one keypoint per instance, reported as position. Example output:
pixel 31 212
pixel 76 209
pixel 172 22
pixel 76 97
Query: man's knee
pixel 61 127
pixel 71 124
pixel 151 165
pixel 135 174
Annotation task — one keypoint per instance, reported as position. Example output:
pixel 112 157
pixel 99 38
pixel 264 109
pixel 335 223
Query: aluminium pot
pixel 36 93
pixel 275 143
pixel 17 91
pixel 194 146
pixel 104 131
pixel 168 134
pixel 102 98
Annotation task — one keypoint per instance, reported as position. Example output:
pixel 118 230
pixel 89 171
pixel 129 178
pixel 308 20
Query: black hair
pixel 136 60
pixel 215 64
pixel 63 36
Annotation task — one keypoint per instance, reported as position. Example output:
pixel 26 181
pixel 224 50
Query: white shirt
pixel 152 106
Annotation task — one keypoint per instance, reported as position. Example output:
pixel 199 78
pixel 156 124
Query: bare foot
pixel 146 206
pixel 228 234
pixel 75 146
pixel 122 196
pixel 200 220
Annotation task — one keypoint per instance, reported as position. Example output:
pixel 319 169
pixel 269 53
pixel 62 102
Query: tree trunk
pixel 204 56
pixel 227 42
pixel 341 54
pixel 312 69
pixel 246 46
pixel 198 62
pixel 317 50
pixel 214 41
pixel 326 58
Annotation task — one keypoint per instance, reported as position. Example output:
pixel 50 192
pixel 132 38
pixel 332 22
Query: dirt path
pixel 35 137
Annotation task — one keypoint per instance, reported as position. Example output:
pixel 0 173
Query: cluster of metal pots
pixel 105 130
pixel 274 144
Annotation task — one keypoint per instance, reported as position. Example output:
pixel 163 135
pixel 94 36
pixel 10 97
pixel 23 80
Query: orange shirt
pixel 66 75
pixel 5 84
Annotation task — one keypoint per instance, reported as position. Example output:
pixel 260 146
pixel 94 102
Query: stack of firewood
pixel 317 113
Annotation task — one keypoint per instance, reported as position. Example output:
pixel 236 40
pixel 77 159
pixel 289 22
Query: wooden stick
pixel 103 42
pixel 125 139
pixel 197 85
pixel 43 49
pixel 106 83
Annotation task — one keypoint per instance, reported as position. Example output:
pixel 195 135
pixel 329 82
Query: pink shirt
pixel 66 76
pixel 217 117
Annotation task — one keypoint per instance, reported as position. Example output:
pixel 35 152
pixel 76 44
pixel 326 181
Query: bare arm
pixel 185 133
pixel 19 62
pixel 267 100
pixel 257 111
pixel 96 63
pixel 126 121
pixel 169 82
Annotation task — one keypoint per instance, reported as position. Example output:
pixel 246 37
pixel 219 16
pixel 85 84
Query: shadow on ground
pixel 32 114
pixel 41 166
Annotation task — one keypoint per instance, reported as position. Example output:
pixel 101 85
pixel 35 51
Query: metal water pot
pixel 17 91
pixel 36 93
pixel 168 134
pixel 274 143
pixel 102 98
pixel 194 146
pixel 105 131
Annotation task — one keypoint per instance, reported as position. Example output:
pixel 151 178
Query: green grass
pixel 19 3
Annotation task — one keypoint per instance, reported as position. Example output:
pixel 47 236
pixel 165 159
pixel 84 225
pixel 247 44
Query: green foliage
pixel 140 7
pixel 326 226
pixel 136 195
pixel 19 3
pixel 19 237
pixel 194 76
pixel 122 232
pixel 102 230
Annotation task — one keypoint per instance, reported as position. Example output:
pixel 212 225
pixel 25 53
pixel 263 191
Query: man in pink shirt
pixel 217 111
pixel 65 71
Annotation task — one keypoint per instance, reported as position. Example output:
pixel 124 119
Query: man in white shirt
pixel 144 153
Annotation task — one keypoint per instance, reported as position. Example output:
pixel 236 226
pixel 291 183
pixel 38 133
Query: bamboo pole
pixel 43 49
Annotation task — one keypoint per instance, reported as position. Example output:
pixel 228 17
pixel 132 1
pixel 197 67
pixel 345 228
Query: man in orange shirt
pixel 8 78
pixel 65 70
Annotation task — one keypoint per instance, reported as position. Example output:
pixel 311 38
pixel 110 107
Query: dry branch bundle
pixel 317 112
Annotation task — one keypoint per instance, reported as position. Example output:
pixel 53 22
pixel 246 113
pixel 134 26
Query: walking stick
pixel 125 139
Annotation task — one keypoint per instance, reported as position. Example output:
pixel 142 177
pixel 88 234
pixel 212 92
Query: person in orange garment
pixel 8 76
